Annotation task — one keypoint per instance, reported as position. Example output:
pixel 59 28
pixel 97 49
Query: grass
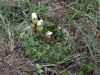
pixel 79 54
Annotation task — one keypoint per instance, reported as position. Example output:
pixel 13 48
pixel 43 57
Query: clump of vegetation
pixel 45 41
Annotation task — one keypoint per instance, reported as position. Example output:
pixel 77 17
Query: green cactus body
pixel 34 21
pixel 39 28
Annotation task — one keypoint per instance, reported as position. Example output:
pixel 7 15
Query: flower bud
pixel 41 21
pixel 40 26
pixel 34 18
pixel 47 35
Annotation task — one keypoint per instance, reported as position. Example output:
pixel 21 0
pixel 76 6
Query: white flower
pixel 39 26
pixel 48 33
pixel 47 36
pixel 40 22
pixel 34 16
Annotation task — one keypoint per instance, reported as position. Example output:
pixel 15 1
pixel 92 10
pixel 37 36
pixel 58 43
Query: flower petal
pixel 34 15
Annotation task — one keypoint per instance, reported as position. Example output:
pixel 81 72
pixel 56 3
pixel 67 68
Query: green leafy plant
pixel 87 66
pixel 90 66
pixel 39 68
pixel 80 73
pixel 47 45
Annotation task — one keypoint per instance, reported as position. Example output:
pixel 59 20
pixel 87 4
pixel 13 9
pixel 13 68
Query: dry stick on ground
pixel 65 60
pixel 71 57
pixel 48 69
pixel 34 67
pixel 11 65
pixel 68 68
pixel 69 73
pixel 48 65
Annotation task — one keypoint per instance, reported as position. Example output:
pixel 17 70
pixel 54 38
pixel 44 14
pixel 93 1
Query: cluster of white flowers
pixel 39 24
